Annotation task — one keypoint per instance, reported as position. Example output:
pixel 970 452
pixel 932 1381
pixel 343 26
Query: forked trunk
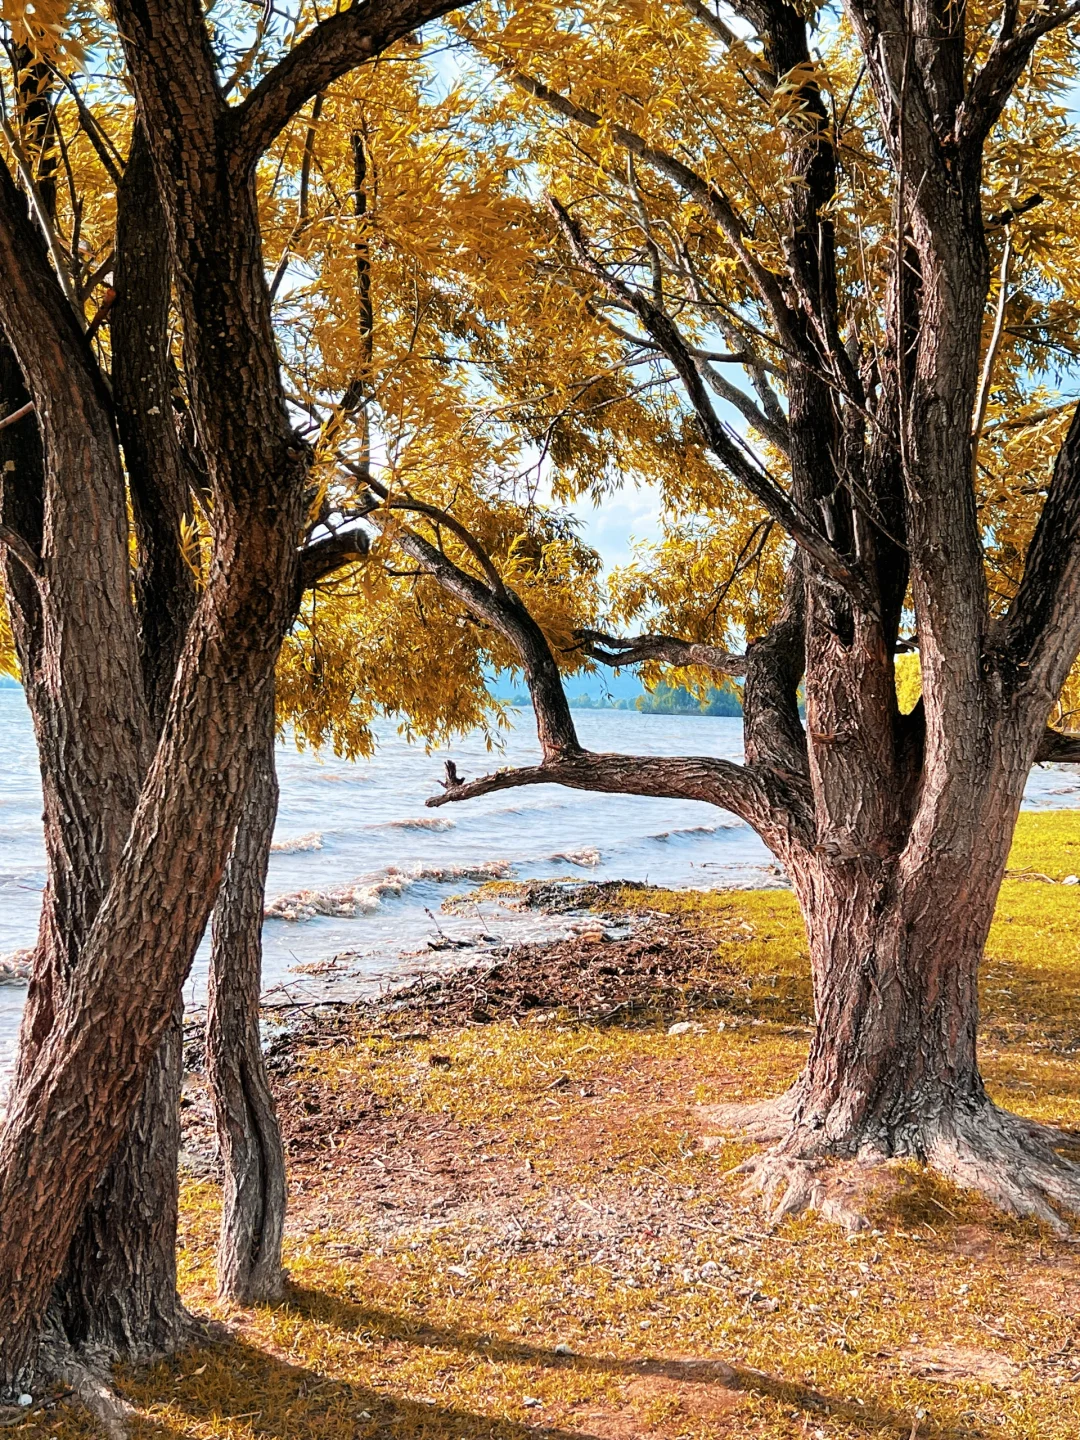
pixel 253 1205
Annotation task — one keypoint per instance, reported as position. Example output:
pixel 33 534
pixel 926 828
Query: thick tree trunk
pixel 118 1292
pixel 895 971
pixel 253 1212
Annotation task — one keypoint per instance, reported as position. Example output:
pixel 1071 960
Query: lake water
pixel 355 839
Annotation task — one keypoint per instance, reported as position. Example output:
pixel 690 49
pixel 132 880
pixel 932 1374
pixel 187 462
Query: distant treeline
pixel 664 700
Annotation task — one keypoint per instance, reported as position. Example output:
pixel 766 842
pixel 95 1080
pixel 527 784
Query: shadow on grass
pixel 236 1381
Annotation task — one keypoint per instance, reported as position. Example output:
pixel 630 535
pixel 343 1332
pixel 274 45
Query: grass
pixel 599 1274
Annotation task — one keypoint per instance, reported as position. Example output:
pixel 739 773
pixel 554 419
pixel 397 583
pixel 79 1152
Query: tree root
pixel 87 1376
pixel 1015 1163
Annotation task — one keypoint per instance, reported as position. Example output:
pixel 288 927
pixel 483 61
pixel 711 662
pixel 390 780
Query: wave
pixel 435 823
pixel 296 843
pixel 731 824
pixel 364 896
pixel 587 857
pixel 15 967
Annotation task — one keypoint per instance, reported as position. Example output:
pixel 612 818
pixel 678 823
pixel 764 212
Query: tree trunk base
pixel 1015 1163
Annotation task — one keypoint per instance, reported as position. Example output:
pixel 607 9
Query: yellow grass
pixel 946 1320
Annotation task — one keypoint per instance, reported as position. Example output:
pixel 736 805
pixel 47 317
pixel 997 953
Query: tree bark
pixel 253 1205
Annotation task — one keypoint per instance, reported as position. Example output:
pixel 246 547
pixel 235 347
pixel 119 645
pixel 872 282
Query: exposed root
pixel 764 1121
pixel 1013 1162
pixel 87 1376
pixel 836 1189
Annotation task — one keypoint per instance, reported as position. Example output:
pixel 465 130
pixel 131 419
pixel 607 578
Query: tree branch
pixel 322 557
pixel 664 649
pixel 1012 49
pixel 760 485
pixel 1061 746
pixel 1042 625
pixel 697 777
pixel 708 195
pixel 506 614
pixel 333 48
pixel 20 548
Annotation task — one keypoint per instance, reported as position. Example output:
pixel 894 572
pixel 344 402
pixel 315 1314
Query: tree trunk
pixel 118 1291
pixel 253 1212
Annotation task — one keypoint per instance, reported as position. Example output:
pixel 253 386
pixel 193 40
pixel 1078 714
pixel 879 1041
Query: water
pixel 357 840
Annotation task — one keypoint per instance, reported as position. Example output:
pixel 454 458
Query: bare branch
pixel 335 46
pixel 322 557
pixel 756 480
pixel 700 777
pixel 664 649
pixel 22 411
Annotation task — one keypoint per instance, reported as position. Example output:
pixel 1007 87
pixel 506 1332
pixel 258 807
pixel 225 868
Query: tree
pixel 147 714
pixel 873 220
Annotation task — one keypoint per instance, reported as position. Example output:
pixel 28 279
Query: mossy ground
pixel 515 1230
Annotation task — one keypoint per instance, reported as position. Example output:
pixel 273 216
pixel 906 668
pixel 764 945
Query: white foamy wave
pixel 15 967
pixel 296 843
pixel 365 895
pixel 586 857
pixel 730 823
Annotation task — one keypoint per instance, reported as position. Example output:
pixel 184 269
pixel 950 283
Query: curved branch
pixel 506 614
pixel 666 649
pixel 333 48
pixel 761 799
pixel 708 195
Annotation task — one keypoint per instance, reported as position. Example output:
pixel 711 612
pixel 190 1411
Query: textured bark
pixel 118 1291
pixel 249 1139
pixel 137 838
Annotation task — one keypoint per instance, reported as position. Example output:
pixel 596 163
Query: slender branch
pixel 763 488
pixel 987 377
pixel 665 649
pixel 710 196
pixel 444 518
pixel 16 415
pixel 335 46
pixel 1012 49
pixel 727 36
pixel 11 539
pixel 48 229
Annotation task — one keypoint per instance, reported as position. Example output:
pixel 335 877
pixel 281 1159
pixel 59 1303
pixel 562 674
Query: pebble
pixel 531 1401
pixel 25 1400
pixel 681 1027
pixel 563 1349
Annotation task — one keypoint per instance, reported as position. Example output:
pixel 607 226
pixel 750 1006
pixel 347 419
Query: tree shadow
pixel 237 1380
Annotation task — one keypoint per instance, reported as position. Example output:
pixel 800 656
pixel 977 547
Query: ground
pixel 510 1217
